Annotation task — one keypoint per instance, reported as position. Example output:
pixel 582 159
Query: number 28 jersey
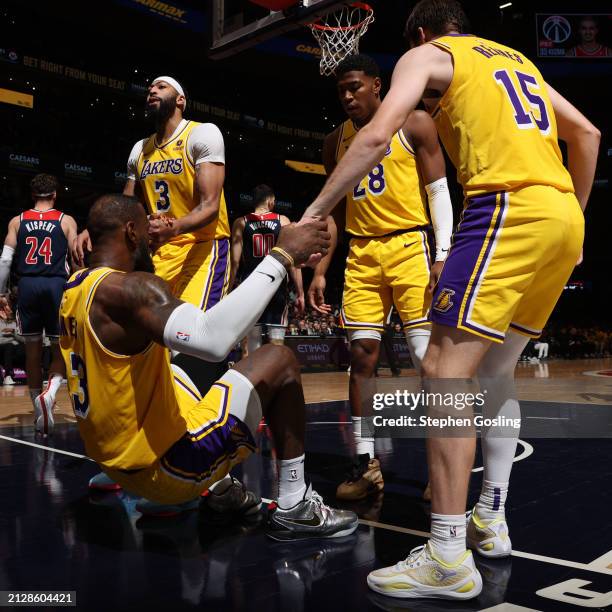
pixel 166 175
pixel 496 120
pixel 390 197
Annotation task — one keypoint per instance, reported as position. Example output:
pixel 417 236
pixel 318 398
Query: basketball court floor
pixel 56 536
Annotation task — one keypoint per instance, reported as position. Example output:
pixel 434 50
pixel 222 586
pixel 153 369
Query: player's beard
pixel 143 261
pixel 162 112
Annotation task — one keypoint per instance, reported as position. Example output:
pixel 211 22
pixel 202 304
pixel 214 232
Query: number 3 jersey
pixel 496 120
pixel 166 175
pixel 390 198
pixel 42 246
pixel 127 407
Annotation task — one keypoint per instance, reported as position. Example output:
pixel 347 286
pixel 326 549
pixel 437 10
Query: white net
pixel 338 34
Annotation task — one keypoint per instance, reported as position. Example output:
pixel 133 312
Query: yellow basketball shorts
pixel 384 271
pixel 214 442
pixel 511 256
pixel 198 273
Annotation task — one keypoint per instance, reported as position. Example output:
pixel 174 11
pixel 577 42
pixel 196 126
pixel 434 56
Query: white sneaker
pixel 8 381
pixel 43 414
pixel 424 575
pixel 488 538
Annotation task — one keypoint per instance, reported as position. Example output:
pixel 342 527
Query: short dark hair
pixel 261 193
pixel 111 212
pixel 359 62
pixel 43 185
pixel 438 16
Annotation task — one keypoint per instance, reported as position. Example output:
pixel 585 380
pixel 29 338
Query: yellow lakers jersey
pixel 390 197
pixel 166 174
pixel 126 408
pixel 496 120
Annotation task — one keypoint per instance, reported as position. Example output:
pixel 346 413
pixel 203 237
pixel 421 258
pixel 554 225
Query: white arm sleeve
pixel 211 335
pixel 6 259
pixel 206 144
pixel 132 164
pixel 441 211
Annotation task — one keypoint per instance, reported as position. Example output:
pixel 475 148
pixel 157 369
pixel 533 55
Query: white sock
pixel 55 381
pixel 34 393
pixel 447 536
pixel 362 444
pixel 491 504
pixel 221 486
pixel 291 483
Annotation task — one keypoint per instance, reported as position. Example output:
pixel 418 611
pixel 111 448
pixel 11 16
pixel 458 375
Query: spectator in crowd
pixel 293 330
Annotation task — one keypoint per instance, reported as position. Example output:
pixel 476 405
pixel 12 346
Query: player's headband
pixel 170 81
pixel 43 195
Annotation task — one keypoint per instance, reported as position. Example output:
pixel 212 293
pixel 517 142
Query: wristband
pixel 284 253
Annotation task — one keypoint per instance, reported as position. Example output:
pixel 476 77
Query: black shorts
pixel 38 303
pixel 277 311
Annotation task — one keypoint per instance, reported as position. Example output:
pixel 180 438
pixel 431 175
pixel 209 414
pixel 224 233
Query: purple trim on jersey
pixel 496 498
pixel 462 259
pixel 218 274
pixel 79 278
pixel 526 330
pixel 198 460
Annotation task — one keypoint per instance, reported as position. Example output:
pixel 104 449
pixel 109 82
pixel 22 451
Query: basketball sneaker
pixel 43 414
pixel 309 518
pixel 364 479
pixel 234 500
pixel 8 381
pixel 422 574
pixel 102 482
pixel 488 538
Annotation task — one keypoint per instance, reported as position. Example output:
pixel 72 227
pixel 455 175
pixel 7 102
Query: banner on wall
pixel 575 35
pixel 171 13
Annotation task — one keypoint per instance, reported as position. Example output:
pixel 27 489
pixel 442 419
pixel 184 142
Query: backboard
pixel 239 24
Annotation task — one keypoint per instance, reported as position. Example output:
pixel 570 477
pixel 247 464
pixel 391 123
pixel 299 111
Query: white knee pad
pixel 254 338
pixel 418 341
pixel 276 332
pixel 245 403
pixel 364 334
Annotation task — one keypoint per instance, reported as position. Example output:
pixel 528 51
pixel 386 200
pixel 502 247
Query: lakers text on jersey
pixel 166 175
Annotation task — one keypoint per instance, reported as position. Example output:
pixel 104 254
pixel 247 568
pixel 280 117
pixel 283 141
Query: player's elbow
pixel 376 139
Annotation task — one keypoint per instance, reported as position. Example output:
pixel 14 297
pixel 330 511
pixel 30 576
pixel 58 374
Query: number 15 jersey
pixel 496 120
pixel 166 175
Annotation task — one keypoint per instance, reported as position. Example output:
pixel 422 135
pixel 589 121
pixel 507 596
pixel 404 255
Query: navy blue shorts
pixel 38 303
pixel 276 312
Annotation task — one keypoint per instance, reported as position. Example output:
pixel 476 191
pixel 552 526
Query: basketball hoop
pixel 338 33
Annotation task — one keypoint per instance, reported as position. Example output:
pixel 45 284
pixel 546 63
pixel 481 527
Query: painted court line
pixel 47 448
pixel 515 553
pixel 423 534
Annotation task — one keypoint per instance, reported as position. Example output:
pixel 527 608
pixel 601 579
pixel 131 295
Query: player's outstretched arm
pixel 582 139
pixel 131 310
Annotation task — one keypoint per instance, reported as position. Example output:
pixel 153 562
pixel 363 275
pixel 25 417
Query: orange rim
pixel 317 25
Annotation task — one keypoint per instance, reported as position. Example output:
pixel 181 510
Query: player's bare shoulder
pixel 419 126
